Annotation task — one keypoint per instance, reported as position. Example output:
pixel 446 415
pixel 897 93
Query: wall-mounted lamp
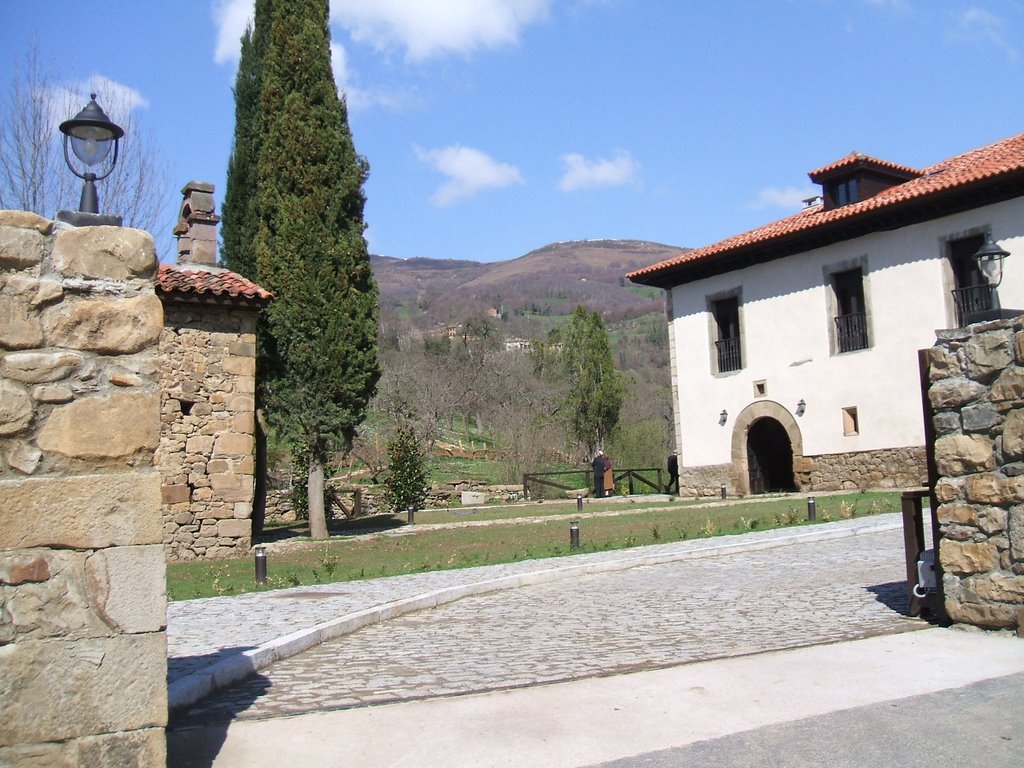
pixel 801 407
pixel 91 135
pixel 723 417
pixel 990 260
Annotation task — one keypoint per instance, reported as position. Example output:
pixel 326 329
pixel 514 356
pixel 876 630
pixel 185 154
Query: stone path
pixel 687 609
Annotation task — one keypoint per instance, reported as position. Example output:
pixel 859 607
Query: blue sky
pixel 494 127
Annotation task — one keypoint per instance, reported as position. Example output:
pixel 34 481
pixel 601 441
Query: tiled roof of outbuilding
pixel 207 282
pixel 967 172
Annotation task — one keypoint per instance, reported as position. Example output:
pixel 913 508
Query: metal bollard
pixel 579 504
pixel 574 535
pixel 723 490
pixel 261 564
pixel 412 515
pixel 812 512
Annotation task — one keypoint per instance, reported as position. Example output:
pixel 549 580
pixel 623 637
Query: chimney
pixel 197 225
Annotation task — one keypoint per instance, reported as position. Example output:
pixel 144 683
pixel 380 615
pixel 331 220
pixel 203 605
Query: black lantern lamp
pixel 990 261
pixel 91 135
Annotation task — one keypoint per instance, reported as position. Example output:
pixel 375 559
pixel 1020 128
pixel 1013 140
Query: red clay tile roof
pixel 971 171
pixel 855 159
pixel 219 283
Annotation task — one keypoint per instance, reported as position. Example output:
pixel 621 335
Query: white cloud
pixel 789 198
pixel 231 18
pixel 469 172
pixel 115 99
pixel 426 28
pixel 359 98
pixel 977 23
pixel 582 173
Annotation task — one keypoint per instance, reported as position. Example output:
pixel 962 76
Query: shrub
pixel 406 478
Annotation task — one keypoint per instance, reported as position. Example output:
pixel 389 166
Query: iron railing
pixel 729 355
pixel 971 301
pixel 852 332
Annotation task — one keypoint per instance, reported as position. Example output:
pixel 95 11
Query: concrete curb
pixel 190 688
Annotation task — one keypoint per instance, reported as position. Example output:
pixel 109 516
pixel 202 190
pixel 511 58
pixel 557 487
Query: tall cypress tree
pixel 319 338
pixel 596 391
pixel 238 213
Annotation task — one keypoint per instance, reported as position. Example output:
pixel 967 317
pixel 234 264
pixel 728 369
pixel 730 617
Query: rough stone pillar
pixel 82 576
pixel 976 389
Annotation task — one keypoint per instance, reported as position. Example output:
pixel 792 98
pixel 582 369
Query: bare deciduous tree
pixel 33 174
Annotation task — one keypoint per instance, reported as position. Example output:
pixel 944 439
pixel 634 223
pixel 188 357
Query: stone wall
pixel 863 470
pixel 82 581
pixel 208 377
pixel 976 390
pixel 859 471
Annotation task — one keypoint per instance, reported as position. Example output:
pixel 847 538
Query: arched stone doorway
pixel 769 457
pixel 766 443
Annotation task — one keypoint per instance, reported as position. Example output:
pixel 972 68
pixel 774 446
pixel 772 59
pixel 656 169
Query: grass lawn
pixel 357 551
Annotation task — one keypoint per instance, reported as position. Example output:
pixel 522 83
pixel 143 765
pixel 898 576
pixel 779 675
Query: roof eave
pixel 894 216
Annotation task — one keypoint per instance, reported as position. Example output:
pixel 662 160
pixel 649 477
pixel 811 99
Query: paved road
pixel 643 618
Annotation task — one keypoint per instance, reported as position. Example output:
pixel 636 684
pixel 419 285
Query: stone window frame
pixel 829 271
pixel 711 299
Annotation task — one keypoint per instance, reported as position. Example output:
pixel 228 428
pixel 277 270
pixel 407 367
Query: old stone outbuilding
pixel 208 381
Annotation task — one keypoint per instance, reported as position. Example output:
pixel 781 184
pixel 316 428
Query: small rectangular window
pixel 850 424
pixel 760 388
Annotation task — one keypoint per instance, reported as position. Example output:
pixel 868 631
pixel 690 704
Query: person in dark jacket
pixel 598 465
pixel 673 473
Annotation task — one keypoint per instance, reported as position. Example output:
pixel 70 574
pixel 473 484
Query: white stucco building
pixel 794 346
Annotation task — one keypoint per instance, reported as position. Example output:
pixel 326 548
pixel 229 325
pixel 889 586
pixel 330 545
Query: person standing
pixel 673 473
pixel 609 479
pixel 598 465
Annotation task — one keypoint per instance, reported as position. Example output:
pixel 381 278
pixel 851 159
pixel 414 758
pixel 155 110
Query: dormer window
pixel 858 177
pixel 844 192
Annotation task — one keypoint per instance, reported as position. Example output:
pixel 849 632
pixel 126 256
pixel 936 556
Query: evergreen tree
pixel 239 222
pixel 318 340
pixel 406 481
pixel 239 218
pixel 595 393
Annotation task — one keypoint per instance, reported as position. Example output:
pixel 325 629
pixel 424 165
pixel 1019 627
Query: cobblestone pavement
pixel 599 624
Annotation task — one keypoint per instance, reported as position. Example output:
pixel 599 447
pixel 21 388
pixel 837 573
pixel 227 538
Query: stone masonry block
pixel 990 488
pixel 996 616
pixel 108 326
pixel 127 587
pixel 40 367
pixel 116 253
pixel 54 607
pixel 1008 386
pixel 987 354
pixel 15 408
pixel 966 557
pixel 240 366
pixel 1013 436
pixel 55 690
pixel 953 393
pixel 963 454
pixel 118 425
pixel 20 248
pixel 20 327
pixel 134 749
pixel 234 529
pixel 233 444
pixel 26 220
pixel 82 512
